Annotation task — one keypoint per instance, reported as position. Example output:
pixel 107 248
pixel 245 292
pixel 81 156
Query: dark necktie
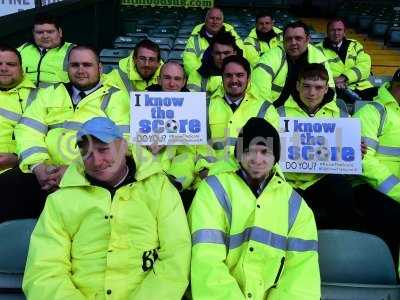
pixel 82 95
pixel 43 52
pixel 233 106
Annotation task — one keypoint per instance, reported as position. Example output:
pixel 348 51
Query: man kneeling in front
pixel 115 229
pixel 253 236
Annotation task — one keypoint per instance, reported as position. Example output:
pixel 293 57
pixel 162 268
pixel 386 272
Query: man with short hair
pixel 350 64
pixel 172 79
pixel 201 36
pixel 17 91
pixel 276 73
pixel 176 161
pixel 379 195
pixel 253 236
pixel 262 38
pixel 208 77
pixel 139 70
pixel 115 228
pixel 45 136
pixel 330 196
pixel 229 109
pixel 45 60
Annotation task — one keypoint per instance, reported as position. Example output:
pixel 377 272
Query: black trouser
pixel 21 195
pixel 366 94
pixel 332 201
pixel 381 215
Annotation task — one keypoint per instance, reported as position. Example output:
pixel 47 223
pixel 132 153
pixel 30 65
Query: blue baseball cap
pixel 103 129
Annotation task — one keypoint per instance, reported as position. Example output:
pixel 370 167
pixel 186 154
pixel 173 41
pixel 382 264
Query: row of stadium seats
pixel 353 265
pixel 378 19
pixel 170 29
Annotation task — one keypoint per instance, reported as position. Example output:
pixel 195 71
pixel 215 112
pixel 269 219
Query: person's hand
pixel 49 176
pixel 8 160
pixel 155 149
pixel 364 149
pixel 341 82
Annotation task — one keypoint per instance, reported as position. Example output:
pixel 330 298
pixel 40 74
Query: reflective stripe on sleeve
pixel 34 124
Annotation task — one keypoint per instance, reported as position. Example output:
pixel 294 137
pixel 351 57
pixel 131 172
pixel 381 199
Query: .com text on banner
pixel 330 146
pixel 170 3
pixel 165 118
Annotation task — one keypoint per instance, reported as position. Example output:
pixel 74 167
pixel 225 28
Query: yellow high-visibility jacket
pixel 332 109
pixel 197 83
pixel 248 247
pixel 224 125
pixel 380 129
pixel 196 45
pixel 356 68
pixel 89 245
pixel 47 129
pixel 255 48
pixel 126 77
pixel 269 75
pixel 49 68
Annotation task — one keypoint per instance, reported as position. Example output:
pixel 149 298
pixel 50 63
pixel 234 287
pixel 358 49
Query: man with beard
pixel 46 133
pixel 262 38
pixel 139 70
pixel 276 73
pixel 208 77
pixel 229 109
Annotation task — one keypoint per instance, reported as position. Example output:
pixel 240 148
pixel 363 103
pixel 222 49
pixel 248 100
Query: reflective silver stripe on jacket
pixel 124 128
pixel 213 236
pixel 67 125
pixel 263 109
pixel 379 107
pixel 358 73
pixel 34 124
pixel 281 111
pixel 197 45
pixel 221 196
pixel 10 115
pixel 32 96
pixel 125 79
pixel 294 208
pixel 30 151
pixel 370 142
pixel 256 234
pixel 65 63
pixel 266 68
pixel 388 184
pixel 106 99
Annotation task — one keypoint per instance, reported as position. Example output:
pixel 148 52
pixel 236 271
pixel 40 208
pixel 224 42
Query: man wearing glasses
pixel 139 70
pixel 45 59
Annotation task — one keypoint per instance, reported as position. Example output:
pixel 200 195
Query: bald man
pixel 172 79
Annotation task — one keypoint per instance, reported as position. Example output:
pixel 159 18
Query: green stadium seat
pixel 180 44
pixel 112 56
pixel 379 27
pixel 127 42
pixel 107 68
pixel 14 239
pixel 164 43
pixel 175 55
pixel 355 265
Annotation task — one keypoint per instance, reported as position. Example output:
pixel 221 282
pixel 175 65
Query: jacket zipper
pixel 279 271
pixel 38 67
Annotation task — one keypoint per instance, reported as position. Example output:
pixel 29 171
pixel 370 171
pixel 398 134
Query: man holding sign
pixel 330 196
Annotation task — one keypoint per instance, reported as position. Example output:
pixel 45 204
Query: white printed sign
pixel 13 6
pixel 166 118
pixel 311 145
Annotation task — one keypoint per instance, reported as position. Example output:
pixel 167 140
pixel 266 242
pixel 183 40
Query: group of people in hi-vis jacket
pixel 118 220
